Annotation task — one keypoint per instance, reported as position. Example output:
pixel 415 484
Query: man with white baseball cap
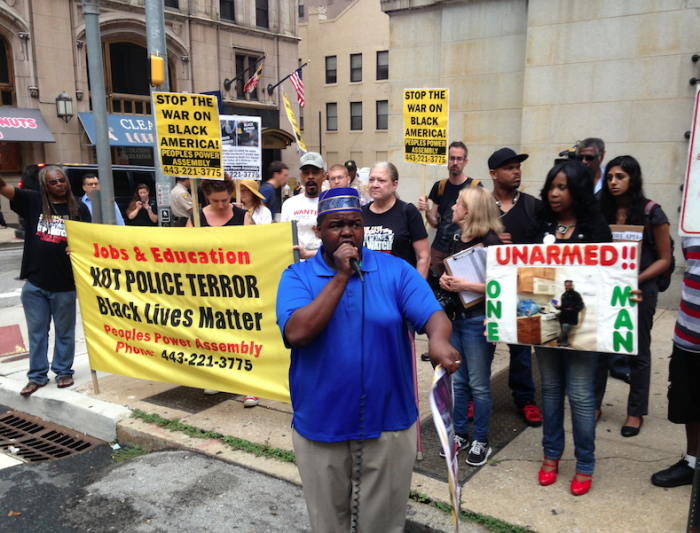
pixel 304 207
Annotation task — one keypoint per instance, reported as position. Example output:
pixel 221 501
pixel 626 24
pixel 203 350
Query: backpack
pixel 663 280
pixel 443 183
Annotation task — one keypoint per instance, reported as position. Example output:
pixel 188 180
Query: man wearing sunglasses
pixel 49 290
pixel 591 152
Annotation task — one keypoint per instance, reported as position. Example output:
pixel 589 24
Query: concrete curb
pixel 67 408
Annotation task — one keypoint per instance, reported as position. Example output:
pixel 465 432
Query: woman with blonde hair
pixel 476 212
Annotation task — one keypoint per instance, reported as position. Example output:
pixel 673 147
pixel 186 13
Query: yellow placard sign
pixel 193 307
pixel 189 138
pixel 425 114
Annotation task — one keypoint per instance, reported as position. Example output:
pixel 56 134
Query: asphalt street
pixel 10 286
pixel 163 492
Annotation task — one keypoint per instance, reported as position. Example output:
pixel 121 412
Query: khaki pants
pixel 328 470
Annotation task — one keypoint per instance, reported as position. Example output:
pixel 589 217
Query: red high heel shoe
pixel 547 478
pixel 579 488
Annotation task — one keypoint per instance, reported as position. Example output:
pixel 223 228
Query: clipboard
pixel 469 264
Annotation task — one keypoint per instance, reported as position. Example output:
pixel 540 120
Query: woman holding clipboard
pixel 476 212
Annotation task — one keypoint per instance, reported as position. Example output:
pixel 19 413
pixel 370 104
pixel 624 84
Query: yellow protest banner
pixel 189 138
pixel 192 307
pixel 425 114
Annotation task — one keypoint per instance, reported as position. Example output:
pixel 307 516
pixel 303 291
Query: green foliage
pixel 235 443
pixel 128 452
pixel 493 524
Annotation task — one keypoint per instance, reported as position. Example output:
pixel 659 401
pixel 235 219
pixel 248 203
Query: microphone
pixel 356 267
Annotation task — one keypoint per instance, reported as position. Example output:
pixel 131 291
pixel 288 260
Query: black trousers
pixel 640 364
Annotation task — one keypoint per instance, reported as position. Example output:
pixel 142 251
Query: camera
pixel 445 298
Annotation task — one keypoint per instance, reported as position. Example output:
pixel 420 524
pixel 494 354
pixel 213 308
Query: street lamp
pixel 64 107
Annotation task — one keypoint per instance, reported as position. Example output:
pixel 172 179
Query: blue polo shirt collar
pixel 369 264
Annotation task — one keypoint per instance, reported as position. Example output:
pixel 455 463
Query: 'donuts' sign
pixel 189 139
pixel 425 113
pixel 563 295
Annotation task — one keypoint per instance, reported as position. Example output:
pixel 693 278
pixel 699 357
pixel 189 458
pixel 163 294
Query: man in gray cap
pixel 304 207
pixel 356 182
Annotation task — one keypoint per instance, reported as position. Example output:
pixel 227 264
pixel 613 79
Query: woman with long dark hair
pixel 569 215
pixel 623 202
pixel 141 211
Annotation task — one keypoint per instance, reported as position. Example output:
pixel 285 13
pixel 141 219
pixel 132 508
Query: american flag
pixel 298 85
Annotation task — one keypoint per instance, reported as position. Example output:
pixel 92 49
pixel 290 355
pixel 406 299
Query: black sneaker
pixel 425 356
pixel 462 443
pixel 675 476
pixel 479 453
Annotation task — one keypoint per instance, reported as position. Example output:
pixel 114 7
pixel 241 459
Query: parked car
pixel 125 179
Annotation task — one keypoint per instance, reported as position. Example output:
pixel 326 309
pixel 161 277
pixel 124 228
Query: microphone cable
pixel 361 423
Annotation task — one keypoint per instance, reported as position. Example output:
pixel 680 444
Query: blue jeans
pixel 520 375
pixel 473 374
pixel 40 307
pixel 569 372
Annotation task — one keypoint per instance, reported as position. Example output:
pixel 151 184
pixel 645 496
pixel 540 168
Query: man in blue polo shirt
pixel 351 376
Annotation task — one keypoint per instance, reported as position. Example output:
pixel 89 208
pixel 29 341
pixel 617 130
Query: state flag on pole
pixel 298 85
pixel 253 81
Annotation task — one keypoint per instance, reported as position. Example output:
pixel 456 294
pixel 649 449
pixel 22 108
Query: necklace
pixel 515 200
pixel 561 228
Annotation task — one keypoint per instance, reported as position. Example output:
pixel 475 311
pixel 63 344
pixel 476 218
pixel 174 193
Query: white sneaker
pixel 479 453
pixel 251 401
pixel 211 392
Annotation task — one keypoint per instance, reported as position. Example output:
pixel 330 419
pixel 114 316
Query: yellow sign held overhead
pixel 189 138
pixel 425 114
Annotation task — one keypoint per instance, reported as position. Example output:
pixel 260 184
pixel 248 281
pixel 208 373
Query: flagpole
pixel 271 87
pixel 228 82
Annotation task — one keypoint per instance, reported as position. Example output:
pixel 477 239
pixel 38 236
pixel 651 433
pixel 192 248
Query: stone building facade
pixel 539 75
pixel 208 41
pixel 347 79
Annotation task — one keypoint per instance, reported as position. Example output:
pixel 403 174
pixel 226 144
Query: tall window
pixel 331 69
pixel 7 86
pixel 226 10
pixel 242 63
pixel 382 114
pixel 383 65
pixel 172 3
pixel 355 115
pixel 261 14
pixel 332 117
pixel 301 9
pixel 355 67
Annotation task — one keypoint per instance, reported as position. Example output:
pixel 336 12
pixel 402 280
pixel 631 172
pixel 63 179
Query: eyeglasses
pixel 457 159
pixel 589 158
pixel 58 180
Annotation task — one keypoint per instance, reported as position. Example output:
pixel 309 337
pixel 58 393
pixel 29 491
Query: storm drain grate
pixel 34 440
pixel 189 399
pixel 506 424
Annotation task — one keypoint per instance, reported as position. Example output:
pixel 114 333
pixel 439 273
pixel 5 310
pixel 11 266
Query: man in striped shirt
pixel 684 371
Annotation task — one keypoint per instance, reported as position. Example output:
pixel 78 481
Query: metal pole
pixel 155 36
pixel 91 12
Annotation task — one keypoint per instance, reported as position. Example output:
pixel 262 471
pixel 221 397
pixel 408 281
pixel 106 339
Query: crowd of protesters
pixel 579 201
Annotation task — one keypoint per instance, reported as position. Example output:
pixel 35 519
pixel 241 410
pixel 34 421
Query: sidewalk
pixel 622 498
pixel 7 238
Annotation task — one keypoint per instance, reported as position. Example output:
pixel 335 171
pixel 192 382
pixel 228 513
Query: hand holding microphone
pixel 346 258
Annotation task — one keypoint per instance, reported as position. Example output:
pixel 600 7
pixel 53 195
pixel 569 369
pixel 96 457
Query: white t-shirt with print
pixel 304 210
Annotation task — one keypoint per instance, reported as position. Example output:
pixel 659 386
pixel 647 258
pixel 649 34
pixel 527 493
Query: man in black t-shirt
pixel 444 195
pixel 49 292
pixel 517 210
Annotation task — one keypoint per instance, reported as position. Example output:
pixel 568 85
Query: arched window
pixel 7 81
